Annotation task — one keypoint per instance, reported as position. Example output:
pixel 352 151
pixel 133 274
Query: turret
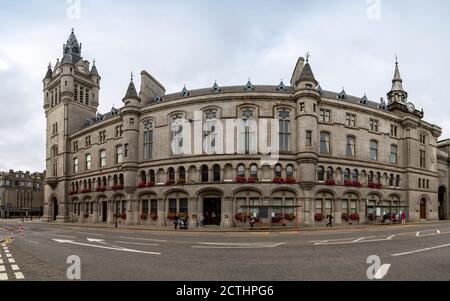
pixel 46 81
pixel 397 93
pixel 307 98
pixel 96 78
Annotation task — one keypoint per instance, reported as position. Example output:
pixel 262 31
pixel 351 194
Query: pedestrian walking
pixel 202 220
pixel 252 222
pixel 175 221
pixel 403 218
pixel 330 220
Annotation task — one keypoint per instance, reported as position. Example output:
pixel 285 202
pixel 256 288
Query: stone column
pixel 227 212
pixel 161 213
pixel 192 209
pixel 199 207
pixel 362 211
pixel 132 211
pixel 338 211
pixel 299 212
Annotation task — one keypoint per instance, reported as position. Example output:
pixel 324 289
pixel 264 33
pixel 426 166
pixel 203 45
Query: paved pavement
pixel 411 252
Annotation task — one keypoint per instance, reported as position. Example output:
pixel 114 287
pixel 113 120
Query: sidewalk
pixel 230 230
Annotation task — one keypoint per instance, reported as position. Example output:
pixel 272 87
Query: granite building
pixel 362 160
pixel 21 194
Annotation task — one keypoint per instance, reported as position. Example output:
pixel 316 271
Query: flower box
pixel 181 181
pixel 278 181
pixel 241 180
pixel 348 183
pixel 354 217
pixel 290 181
pixel 100 189
pixel 171 216
pixel 144 216
pixel 277 218
pixel 252 180
pixel 170 182
pixel 154 216
pixel 73 192
pixel 123 216
pixel 356 184
pixel 142 185
pixel 319 217
pixel 371 216
pixel 239 217
pixel 151 184
pixel 375 185
pixel 330 182
pixel 345 217
pixel 88 190
pixel 117 187
pixel 289 216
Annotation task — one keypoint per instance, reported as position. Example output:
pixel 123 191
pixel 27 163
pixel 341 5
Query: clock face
pixel 410 107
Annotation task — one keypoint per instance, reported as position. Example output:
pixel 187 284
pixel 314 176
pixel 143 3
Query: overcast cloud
pixel 197 42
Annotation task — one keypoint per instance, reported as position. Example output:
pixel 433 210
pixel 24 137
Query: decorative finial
pixel 132 76
pixel 93 62
pixel 49 65
pixel 307 57
pixel 396 60
pixel 73 30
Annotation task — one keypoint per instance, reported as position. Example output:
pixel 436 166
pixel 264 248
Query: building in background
pixel 361 160
pixel 21 194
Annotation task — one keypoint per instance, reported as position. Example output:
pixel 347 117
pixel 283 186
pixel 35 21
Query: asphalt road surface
pixel 411 252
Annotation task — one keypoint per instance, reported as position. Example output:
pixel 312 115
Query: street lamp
pixel 117 214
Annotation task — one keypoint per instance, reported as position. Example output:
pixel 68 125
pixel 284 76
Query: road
pixel 414 252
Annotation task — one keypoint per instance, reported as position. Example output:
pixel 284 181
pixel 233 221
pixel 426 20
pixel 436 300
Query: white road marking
pixel 144 239
pixel 15 267
pixel 137 243
pixel 359 239
pixel 421 250
pixel 11 260
pixel 61 235
pixel 102 241
pixel 104 247
pixel 391 237
pixel 95 234
pixel 8 255
pixel 2 268
pixel 3 276
pixel 19 276
pixel 1 261
pixel 208 245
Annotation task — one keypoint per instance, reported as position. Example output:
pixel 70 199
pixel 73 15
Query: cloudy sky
pixel 352 45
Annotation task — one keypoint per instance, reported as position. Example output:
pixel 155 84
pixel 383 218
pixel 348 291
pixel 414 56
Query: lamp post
pixel 117 214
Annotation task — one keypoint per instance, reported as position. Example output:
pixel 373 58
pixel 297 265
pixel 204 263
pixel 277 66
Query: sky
pixel 352 44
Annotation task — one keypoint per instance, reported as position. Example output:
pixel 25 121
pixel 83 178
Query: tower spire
pixel 397 92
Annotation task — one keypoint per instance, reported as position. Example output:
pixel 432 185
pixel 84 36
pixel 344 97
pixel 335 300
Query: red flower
pixel 290 181
pixel 348 183
pixel 278 180
pixel 330 182
pixel 354 217
pixel 239 216
pixel 319 217
pixel 142 184
pixel 241 179
pixel 356 184
pixel 252 180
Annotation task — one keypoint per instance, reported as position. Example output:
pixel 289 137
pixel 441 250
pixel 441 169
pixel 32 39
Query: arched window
pixel 324 143
pixel 241 170
pixel 104 182
pixel 171 174
pixel 284 134
pixel 254 171
pixel 278 170
pixel 289 172
pixel 121 180
pixel 373 150
pixel 216 173
pixel 391 180
pixel 182 174
pixel 355 175
pixel 321 174
pixel 347 174
pixel 152 177
pixel 378 178
pixel 148 139
pixel 143 177
pixel 204 173
pixel 397 181
pixel 371 179
pixel 330 173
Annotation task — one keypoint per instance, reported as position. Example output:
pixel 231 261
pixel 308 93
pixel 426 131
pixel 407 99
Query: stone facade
pixel 339 154
pixel 21 193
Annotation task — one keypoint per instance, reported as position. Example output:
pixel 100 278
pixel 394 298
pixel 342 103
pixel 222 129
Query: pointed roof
pixel 185 92
pixel 281 86
pixel 397 82
pixel 49 74
pixel 319 89
pixel 71 50
pixel 249 86
pixel 307 75
pixel 94 70
pixel 216 88
pixel 343 94
pixel 131 91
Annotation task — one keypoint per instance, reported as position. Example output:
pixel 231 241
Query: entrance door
pixel 104 212
pixel 55 209
pixel 212 211
pixel 423 209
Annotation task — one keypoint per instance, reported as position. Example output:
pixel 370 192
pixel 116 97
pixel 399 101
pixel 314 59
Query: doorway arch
pixel 423 208
pixel 55 207
pixel 442 193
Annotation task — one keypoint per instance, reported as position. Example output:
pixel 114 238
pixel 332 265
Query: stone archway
pixel 442 202
pixel 423 208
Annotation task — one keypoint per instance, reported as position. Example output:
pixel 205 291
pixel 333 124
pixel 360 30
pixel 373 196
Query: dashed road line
pixel 19 276
pixel 15 267
pixel 3 276
pixel 11 260
pixel 2 268
pixel 421 250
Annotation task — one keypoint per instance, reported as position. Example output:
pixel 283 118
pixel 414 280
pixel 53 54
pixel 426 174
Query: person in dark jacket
pixel 330 220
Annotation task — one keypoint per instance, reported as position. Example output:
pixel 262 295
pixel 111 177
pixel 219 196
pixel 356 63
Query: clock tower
pixel 71 93
pixel 398 97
